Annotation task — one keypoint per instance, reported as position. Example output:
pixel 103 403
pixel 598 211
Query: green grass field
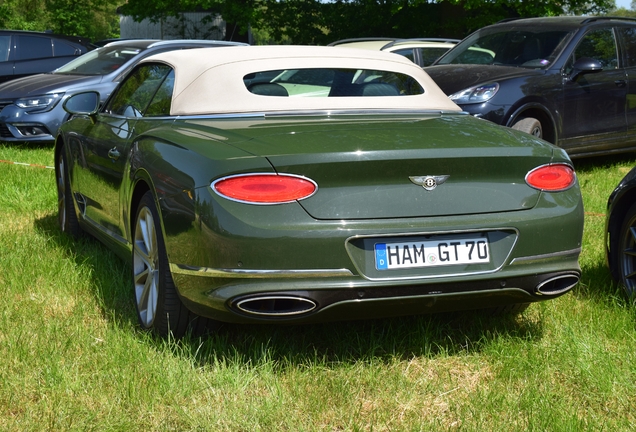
pixel 73 358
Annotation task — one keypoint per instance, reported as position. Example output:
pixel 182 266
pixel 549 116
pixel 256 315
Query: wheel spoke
pixel 142 253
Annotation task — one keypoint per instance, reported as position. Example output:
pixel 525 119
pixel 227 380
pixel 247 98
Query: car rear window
pixel 327 82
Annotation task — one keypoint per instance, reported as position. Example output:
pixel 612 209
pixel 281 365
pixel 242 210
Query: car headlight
pixel 477 94
pixel 39 103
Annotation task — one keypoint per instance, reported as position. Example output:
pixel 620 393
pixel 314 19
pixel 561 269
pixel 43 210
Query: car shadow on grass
pixel 110 280
pixel 349 341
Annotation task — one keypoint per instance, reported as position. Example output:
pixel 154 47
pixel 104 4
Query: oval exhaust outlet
pixel 557 285
pixel 276 306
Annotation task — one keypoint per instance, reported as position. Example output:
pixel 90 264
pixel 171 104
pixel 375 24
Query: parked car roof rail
pixel 606 18
pixel 442 40
pixel 362 39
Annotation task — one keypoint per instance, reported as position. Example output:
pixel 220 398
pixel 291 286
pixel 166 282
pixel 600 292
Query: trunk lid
pixel 363 165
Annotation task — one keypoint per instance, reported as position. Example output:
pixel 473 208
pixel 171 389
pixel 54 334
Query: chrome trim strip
pixel 109 233
pixel 525 260
pixel 304 113
pixel 436 233
pixel 259 274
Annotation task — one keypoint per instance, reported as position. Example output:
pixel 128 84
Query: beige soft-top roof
pixel 210 80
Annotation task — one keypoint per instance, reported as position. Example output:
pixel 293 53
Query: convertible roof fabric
pixel 210 80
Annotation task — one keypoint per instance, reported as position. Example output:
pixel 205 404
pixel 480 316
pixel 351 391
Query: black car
pixel 25 53
pixel 564 79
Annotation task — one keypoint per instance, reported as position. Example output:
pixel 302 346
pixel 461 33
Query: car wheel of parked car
pixel 67 219
pixel 626 252
pixel 530 126
pixel 158 305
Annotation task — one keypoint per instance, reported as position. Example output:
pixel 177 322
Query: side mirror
pixel 583 66
pixel 86 103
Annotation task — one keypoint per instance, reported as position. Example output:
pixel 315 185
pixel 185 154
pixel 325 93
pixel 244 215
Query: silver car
pixel 31 107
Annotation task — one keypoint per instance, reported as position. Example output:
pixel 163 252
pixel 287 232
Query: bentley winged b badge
pixel 428 182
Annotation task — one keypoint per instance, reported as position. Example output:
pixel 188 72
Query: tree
pixel 238 14
pixel 94 19
pixel 323 21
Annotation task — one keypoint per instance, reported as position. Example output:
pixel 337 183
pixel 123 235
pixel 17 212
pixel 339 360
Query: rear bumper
pixel 322 299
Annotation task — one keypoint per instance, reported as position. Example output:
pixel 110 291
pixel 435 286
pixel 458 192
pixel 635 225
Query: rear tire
pixel 530 126
pixel 624 255
pixel 66 216
pixel 159 308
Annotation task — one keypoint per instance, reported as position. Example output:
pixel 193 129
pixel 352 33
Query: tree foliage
pixel 94 19
pixel 323 21
pixel 293 21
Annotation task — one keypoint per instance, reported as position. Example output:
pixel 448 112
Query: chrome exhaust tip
pixel 557 285
pixel 276 306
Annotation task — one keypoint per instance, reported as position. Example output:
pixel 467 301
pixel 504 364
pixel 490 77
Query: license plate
pixel 432 253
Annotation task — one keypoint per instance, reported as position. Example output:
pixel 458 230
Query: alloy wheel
pixel 146 267
pixel 628 256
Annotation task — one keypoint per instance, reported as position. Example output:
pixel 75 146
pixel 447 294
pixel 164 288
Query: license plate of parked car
pixel 432 253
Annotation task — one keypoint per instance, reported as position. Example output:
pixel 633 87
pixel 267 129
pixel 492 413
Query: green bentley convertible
pixel 305 184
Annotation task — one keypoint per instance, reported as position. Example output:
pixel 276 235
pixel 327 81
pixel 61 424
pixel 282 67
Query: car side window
pixel 160 104
pixel 628 37
pixel 133 96
pixel 5 47
pixel 64 49
pixel 429 55
pixel 407 52
pixel 599 45
pixel 34 47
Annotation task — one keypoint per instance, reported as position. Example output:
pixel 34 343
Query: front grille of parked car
pixel 4 131
pixel 4 104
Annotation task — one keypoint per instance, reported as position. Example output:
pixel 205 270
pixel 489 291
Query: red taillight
pixel 553 178
pixel 265 188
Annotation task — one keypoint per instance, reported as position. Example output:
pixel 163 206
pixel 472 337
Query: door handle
pixel 113 154
pixel 620 83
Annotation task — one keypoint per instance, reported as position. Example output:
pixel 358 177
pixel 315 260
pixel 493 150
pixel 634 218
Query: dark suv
pixel 26 53
pixel 569 80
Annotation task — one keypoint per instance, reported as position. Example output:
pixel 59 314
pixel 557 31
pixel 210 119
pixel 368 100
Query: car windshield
pixel 100 61
pixel 524 47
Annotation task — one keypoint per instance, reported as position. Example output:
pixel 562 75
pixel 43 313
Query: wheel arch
pixel 540 112
pixel 57 147
pixel 141 185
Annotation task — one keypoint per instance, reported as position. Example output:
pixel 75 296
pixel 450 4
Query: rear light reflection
pixel 552 178
pixel 265 188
